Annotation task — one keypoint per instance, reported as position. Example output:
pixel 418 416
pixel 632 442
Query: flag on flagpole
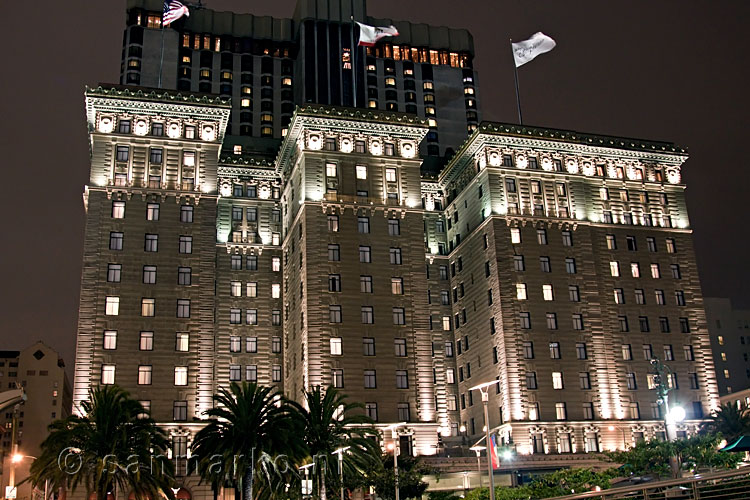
pixel 173 10
pixel 368 35
pixel 493 452
pixel 525 51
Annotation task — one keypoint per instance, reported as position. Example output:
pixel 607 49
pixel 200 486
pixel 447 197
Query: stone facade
pixel 339 263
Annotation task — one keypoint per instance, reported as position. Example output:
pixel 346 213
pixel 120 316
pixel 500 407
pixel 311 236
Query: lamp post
pixel 396 449
pixel 306 486
pixel 478 451
pixel 16 458
pixel 340 453
pixel 484 389
pixel 672 415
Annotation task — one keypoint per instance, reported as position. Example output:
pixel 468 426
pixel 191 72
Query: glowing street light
pixel 394 446
pixel 483 388
pixel 340 453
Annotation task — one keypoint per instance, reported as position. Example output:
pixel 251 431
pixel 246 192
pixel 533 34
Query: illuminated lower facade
pixel 554 262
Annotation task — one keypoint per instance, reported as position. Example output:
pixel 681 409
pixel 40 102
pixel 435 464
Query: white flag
pixel 525 51
pixel 368 35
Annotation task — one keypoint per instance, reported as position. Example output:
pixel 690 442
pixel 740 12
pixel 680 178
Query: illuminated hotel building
pixel 241 240
pixel 556 262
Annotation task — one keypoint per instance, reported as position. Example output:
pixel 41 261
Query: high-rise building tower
pixel 267 66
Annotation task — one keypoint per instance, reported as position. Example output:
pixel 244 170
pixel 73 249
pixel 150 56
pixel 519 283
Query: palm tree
pixel 248 424
pixel 113 444
pixel 730 421
pixel 331 423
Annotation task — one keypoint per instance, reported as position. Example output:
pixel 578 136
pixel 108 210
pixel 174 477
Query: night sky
pixel 666 70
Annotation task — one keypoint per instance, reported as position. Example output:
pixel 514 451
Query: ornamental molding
pixel 566 146
pixel 257 173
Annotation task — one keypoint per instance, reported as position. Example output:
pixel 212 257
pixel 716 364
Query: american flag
pixel 173 10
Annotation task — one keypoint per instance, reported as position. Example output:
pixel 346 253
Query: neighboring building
pixel 41 372
pixel 739 398
pixel 267 66
pixel 556 262
pixel 730 341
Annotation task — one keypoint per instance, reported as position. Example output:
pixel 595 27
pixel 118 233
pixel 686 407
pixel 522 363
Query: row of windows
pixel 365 254
pixel 148 307
pixel 180 374
pixel 635 270
pixel 114 274
pixel 117 240
pixel 367 315
pixel 584 380
pixel 365 284
pixel 643 323
pixel 648 352
pixel 251 214
pixel 251 317
pixel 251 289
pixel 251 344
pixel 251 190
pixel 632 244
pixel 146 341
pixel 640 297
pixel 647 220
pixel 251 263
pixel 363 225
pixel 153 211
pixel 336 346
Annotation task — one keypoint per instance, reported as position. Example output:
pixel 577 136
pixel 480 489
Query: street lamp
pixel 307 487
pixel 17 458
pixel 340 453
pixel 396 450
pixel 483 388
pixel 478 451
pixel 672 415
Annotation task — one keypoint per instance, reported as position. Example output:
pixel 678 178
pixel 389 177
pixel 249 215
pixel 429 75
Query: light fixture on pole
pixel 306 486
pixel 478 451
pixel 340 453
pixel 17 458
pixel 483 388
pixel 396 450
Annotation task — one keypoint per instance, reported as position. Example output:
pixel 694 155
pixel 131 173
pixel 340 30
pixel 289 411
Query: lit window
pixel 144 374
pixel 330 170
pixel 110 339
pixel 361 172
pixel 182 342
pixel 635 269
pixel 275 290
pixel 547 292
pixel 108 374
pixel 614 268
pixel 557 380
pixel 180 375
pixel 446 323
pixel 390 175
pixel 397 286
pixel 112 306
pixel 336 348
pixel 515 235
pixel 148 307
pixel 521 291
pixel 655 272
pixel 118 209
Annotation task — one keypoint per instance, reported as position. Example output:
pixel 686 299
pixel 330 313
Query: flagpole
pixel 354 63
pixel 161 56
pixel 515 78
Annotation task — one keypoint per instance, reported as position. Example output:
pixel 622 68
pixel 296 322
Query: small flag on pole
pixel 493 452
pixel 173 10
pixel 525 51
pixel 368 35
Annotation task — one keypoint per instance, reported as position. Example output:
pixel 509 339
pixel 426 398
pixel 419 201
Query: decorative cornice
pixel 258 173
pixel 348 120
pixel 158 95
pixel 559 141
